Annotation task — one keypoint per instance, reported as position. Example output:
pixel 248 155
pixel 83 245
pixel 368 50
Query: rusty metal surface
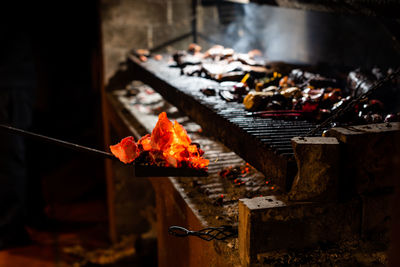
pixel 263 142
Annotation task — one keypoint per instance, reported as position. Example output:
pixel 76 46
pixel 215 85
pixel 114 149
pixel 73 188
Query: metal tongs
pixel 141 170
pixel 210 233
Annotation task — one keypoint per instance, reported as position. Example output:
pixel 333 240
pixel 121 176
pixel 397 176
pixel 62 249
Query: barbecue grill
pixel 266 220
pixel 265 142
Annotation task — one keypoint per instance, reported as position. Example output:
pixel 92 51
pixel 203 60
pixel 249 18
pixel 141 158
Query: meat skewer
pixel 140 170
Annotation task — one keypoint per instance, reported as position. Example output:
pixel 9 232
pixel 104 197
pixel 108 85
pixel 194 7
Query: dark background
pixel 64 39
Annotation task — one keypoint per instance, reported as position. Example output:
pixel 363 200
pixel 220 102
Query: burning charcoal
pixel 230 173
pixel 209 91
pixel 224 173
pixel 196 144
pixel 126 150
pixel 168 145
pixel 238 182
pixel 157 157
pixel 144 157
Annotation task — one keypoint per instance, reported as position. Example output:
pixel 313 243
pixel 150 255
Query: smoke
pixel 268 29
pixel 304 37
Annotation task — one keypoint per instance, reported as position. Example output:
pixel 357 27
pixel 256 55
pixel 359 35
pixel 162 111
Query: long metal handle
pixel 140 170
pixel 51 140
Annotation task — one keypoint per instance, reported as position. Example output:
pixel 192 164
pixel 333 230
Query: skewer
pixel 285 111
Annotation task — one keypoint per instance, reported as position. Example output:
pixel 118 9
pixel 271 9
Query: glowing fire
pixel 168 145
pixel 126 150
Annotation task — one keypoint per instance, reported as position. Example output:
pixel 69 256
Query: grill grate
pixel 263 142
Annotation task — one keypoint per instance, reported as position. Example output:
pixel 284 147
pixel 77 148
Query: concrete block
pixel 317 161
pixel 271 223
pixel 369 156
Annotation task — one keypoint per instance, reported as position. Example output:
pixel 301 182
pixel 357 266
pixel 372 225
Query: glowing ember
pixel 145 143
pixel 168 145
pixel 126 150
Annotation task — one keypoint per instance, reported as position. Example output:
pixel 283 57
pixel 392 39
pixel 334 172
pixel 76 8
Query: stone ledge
pixel 270 223
pixel 369 156
pixel 318 167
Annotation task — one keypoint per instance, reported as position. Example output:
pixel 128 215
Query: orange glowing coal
pixel 168 145
pixel 126 150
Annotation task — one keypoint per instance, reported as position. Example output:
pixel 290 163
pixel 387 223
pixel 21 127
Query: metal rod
pixel 194 20
pixel 51 140
pixel 355 101
pixel 140 170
